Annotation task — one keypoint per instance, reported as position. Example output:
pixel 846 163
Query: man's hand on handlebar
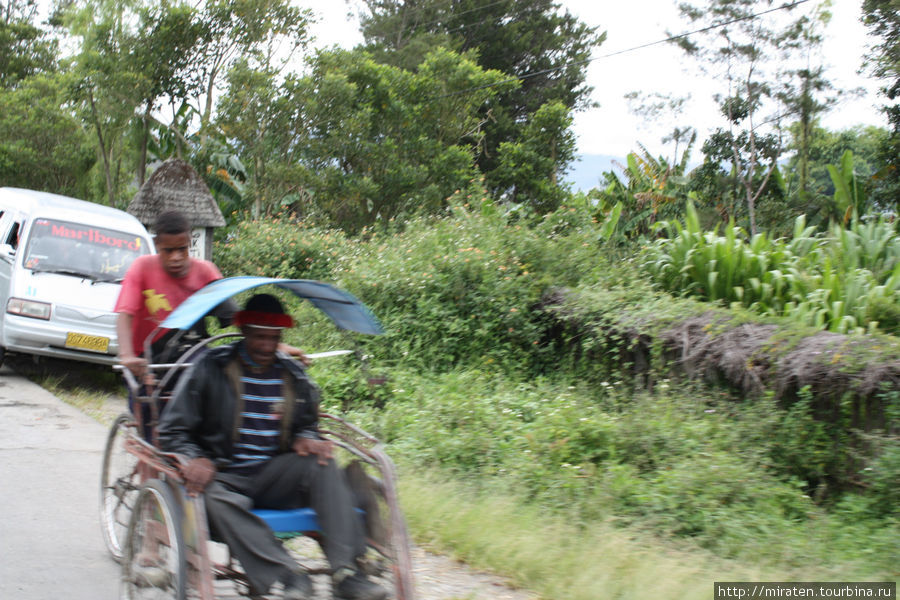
pixel 197 473
pixel 138 366
pixel 135 364
pixel 324 449
pixel 294 352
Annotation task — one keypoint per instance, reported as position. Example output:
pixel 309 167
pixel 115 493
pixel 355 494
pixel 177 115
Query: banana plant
pixel 849 193
pixel 650 189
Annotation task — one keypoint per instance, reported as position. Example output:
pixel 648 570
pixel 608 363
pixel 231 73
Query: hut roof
pixel 175 185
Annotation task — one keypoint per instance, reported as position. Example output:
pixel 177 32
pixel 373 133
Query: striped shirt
pixel 260 428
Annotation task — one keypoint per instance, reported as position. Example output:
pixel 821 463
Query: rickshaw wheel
pixel 118 485
pixel 403 571
pixel 154 561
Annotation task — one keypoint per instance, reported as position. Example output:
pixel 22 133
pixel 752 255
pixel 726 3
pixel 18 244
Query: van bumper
pixel 44 338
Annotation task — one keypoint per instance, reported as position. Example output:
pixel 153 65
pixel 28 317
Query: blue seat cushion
pixel 285 521
pixel 292 520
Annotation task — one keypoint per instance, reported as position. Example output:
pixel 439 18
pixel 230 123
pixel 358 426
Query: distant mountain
pixel 587 169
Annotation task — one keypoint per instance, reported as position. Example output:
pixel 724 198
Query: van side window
pixel 13 238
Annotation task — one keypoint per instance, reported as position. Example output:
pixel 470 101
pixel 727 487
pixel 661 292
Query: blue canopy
pixel 341 307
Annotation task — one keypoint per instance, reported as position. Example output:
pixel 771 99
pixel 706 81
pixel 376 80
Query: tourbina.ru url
pixel 807 589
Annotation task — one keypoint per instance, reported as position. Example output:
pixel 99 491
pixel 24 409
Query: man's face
pixel 261 344
pixel 172 249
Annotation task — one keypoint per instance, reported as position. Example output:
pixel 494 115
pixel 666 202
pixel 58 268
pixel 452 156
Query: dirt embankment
pixel 750 354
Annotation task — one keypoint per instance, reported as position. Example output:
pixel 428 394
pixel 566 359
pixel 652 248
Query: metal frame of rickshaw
pixel 156 475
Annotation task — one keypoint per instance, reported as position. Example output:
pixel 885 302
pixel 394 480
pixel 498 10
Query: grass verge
pixel 558 559
pixel 552 557
pixel 93 389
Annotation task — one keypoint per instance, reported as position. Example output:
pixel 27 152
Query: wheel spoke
pixel 117 485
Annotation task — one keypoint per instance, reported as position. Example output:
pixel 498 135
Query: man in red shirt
pixel 156 284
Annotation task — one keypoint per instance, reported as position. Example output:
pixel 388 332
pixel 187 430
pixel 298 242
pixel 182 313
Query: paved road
pixel 50 541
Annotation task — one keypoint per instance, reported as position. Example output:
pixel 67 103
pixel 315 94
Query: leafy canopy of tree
pixel 42 145
pixel 357 141
pixel 25 49
pixel 826 148
pixel 136 58
pixel 882 17
pixel 129 58
pixel 530 170
pixel 394 130
pixel 530 40
pixel 252 30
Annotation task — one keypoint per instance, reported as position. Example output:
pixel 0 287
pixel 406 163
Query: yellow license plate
pixel 82 341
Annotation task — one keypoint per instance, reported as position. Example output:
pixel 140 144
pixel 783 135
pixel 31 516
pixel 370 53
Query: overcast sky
pixel 611 129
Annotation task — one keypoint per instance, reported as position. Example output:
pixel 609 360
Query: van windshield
pixel 83 250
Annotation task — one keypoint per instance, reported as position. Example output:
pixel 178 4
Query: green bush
pixel 721 500
pixel 881 476
pixel 281 247
pixel 688 462
pixel 466 289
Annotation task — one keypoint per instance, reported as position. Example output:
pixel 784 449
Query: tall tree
pixel 530 40
pixel 757 50
pixel 825 148
pixel 133 58
pixel 882 17
pixel 530 169
pixel 104 89
pixel 252 30
pixel 159 52
pixel 805 91
pixel 138 57
pixel 42 144
pixel 25 49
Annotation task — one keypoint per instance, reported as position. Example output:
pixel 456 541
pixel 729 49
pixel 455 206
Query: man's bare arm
pixel 135 364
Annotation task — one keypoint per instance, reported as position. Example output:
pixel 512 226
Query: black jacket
pixel 202 417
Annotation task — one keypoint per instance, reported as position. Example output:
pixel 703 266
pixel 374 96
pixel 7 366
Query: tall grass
pixel 562 558
pixel 685 463
pixel 554 557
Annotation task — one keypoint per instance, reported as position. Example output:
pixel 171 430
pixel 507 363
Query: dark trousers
pixel 286 481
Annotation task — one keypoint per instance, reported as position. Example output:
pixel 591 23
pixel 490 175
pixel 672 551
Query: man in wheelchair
pixel 247 420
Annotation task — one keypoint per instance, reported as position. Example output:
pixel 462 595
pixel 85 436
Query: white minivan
pixel 62 262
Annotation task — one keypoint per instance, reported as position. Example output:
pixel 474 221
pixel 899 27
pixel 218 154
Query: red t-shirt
pixel 149 294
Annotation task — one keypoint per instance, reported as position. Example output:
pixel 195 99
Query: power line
pixel 624 51
pixel 391 34
pixel 473 24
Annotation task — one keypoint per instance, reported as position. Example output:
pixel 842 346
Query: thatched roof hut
pixel 175 185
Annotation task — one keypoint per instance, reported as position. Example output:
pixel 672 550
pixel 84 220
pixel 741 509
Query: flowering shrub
pixel 281 247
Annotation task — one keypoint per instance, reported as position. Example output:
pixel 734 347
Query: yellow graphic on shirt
pixel 156 302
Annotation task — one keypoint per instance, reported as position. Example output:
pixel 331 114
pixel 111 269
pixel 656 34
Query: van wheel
pixel 2 355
